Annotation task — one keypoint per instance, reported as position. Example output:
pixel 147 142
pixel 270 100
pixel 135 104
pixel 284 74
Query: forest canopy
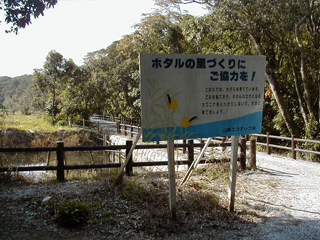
pixel 286 31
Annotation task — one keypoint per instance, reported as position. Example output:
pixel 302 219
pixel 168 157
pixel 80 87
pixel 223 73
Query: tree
pixel 19 12
pixel 3 114
pixel 81 97
pixel 287 32
pixel 159 34
pixel 116 68
pixel 52 79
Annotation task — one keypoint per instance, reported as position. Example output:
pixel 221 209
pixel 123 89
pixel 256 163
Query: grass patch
pixel 31 122
pixel 33 131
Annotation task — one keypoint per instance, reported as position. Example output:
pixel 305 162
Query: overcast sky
pixel 72 28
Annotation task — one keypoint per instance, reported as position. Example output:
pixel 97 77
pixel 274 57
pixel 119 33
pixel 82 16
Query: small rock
pixel 46 199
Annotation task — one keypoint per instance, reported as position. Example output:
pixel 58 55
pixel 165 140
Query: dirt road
pixel 295 209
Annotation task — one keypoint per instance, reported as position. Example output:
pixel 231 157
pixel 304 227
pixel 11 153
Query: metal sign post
pixel 172 180
pixel 233 172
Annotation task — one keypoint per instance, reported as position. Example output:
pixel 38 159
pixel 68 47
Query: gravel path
pixel 295 209
pixel 288 195
pixel 292 203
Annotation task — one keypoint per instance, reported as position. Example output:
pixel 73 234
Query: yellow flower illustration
pixel 185 122
pixel 172 103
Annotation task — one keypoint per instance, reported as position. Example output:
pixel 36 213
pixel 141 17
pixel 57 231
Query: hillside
pixel 17 93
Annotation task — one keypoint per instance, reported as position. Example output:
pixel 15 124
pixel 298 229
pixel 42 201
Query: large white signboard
pixel 187 96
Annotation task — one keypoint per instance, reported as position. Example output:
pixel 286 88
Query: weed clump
pixel 72 214
pixel 7 178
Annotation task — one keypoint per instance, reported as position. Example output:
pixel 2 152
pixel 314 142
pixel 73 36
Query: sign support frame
pixel 121 172
pixel 195 162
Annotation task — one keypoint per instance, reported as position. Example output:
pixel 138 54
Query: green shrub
pixel 72 214
pixel 49 205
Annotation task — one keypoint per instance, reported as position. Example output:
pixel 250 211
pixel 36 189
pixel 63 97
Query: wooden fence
pixel 127 129
pixel 122 120
pixel 131 126
pixel 60 149
pixel 289 140
pixel 294 148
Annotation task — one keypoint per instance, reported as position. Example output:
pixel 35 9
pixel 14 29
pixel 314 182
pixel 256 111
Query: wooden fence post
pixel 268 143
pixel 83 123
pixel 190 152
pixel 243 153
pixel 125 129
pixel 246 137
pixel 118 127
pixel 98 126
pixel 201 141
pixel 129 168
pixel 131 133
pixel 184 141
pixel 60 160
pixel 293 145
pixel 253 162
pixel 223 141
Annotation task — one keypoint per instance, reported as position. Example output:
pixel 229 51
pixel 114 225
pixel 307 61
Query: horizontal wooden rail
pixel 293 148
pixel 307 151
pixel 61 167
pixel 28 149
pixel 274 146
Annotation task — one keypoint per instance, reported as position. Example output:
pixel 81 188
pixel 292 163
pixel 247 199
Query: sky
pixel 72 28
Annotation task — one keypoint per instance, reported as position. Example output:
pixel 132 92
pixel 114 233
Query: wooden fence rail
pixel 127 129
pixel 60 149
pixel 121 120
pixel 133 130
pixel 293 141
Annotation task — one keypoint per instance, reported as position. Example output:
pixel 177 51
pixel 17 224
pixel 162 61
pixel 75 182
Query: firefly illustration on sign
pixel 172 103
pixel 185 122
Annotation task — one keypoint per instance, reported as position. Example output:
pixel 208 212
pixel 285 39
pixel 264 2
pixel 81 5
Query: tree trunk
pixel 291 125
pixel 303 68
pixel 299 93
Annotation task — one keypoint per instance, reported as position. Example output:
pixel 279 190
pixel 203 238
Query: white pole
pixel 233 172
pixel 172 182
